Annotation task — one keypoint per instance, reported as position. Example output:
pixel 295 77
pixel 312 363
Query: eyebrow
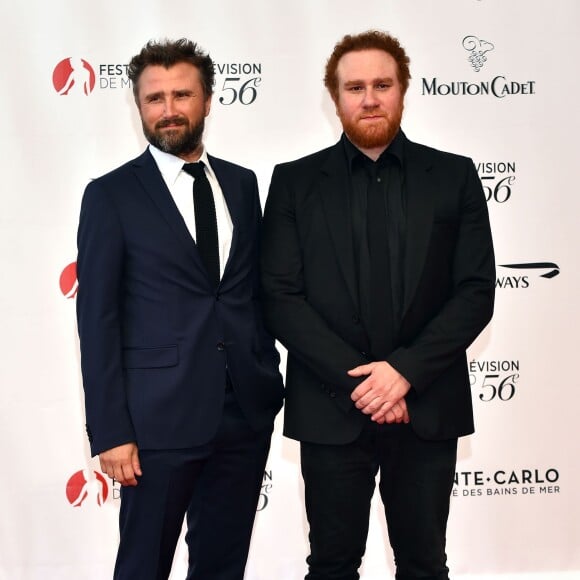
pixel 362 82
pixel 174 93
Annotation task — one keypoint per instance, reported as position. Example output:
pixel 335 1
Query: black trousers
pixel 416 478
pixel 216 485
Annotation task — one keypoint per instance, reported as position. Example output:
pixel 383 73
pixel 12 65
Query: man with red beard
pixel 378 272
pixel 181 379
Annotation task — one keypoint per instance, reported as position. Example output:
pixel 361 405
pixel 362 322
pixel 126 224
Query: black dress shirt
pixel 378 226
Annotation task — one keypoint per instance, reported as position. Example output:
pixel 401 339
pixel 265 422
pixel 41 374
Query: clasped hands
pixel 382 394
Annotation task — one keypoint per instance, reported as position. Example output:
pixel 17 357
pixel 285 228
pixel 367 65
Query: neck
pixel 374 153
pixel 192 156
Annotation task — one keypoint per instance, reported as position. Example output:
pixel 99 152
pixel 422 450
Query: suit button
pixel 332 394
pixel 221 346
pixel 355 319
pixel 217 297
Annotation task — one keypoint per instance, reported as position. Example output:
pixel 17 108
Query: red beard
pixel 372 135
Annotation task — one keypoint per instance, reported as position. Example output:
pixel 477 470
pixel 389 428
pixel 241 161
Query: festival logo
pixel 73 75
pixel 237 83
pixel 265 491
pixel 87 486
pixel 68 281
pixel 478 50
pixel 494 380
pixel 497 178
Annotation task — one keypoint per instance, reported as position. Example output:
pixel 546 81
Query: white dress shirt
pixel 180 185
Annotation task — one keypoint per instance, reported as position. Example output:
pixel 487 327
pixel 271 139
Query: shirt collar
pixel 395 149
pixel 170 165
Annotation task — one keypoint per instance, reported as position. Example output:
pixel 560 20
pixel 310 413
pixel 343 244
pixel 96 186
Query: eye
pixel 355 88
pixel 383 86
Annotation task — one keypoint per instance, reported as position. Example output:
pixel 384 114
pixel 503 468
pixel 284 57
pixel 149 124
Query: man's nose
pixel 168 108
pixel 370 98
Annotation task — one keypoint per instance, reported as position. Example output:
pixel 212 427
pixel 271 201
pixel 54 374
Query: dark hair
pixel 167 53
pixel 371 39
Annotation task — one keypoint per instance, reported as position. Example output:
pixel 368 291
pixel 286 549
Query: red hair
pixel 369 40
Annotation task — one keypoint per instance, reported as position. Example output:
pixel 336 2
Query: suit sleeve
pixel 99 308
pixel 266 341
pixel 470 306
pixel 288 315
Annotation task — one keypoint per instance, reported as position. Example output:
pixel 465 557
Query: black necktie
pixel 206 233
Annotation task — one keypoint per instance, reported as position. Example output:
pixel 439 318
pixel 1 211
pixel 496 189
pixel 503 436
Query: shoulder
pixel 309 163
pixel 221 165
pixel 435 157
pixel 304 173
pixel 227 172
pixel 123 172
pixel 120 184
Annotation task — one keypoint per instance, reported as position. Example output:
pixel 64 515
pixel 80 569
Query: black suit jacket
pixel 155 338
pixel 311 301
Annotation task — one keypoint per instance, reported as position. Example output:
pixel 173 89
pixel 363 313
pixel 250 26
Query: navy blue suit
pixel 158 343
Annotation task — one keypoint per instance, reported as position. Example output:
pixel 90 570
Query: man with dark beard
pixel 181 380
pixel 378 272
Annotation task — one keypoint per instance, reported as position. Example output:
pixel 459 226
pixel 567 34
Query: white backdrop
pixel 515 509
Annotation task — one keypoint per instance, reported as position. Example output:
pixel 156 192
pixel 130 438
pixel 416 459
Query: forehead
pixel 366 65
pixel 158 78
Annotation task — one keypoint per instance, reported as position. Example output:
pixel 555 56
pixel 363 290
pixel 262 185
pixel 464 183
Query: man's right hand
pixel 121 463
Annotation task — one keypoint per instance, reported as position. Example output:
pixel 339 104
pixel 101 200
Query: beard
pixel 176 141
pixel 372 135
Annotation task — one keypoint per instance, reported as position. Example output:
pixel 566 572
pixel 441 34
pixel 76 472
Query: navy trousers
pixel 216 485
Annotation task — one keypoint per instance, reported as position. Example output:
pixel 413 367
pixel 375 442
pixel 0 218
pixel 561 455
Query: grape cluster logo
pixel 68 281
pixel 87 485
pixel 73 75
pixel 499 86
pixel 477 49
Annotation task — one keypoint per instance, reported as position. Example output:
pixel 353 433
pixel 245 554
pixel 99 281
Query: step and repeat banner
pixel 492 79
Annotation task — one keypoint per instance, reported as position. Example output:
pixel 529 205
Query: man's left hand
pixel 383 390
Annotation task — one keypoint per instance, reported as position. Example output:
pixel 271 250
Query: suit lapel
pixel 418 191
pixel 152 182
pixel 335 194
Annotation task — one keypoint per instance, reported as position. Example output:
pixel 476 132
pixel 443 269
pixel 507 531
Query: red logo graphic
pixel 87 484
pixel 68 281
pixel 73 74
